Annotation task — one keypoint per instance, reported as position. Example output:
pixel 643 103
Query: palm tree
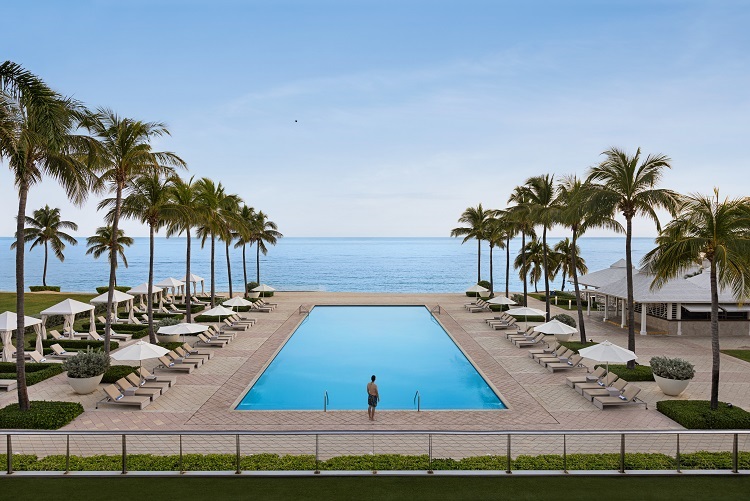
pixel 184 195
pixel 212 199
pixel 542 200
pixel 519 217
pixel 45 228
pixel 148 199
pixel 565 260
pixel 244 237
pixel 230 211
pixel 627 185
pixel 37 140
pixel 263 232
pixel 476 218
pixel 101 243
pixel 496 236
pixel 717 231
pixel 126 154
pixel 579 214
pixel 530 261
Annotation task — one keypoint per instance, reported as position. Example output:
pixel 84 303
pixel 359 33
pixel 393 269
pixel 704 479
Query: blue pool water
pixel 337 348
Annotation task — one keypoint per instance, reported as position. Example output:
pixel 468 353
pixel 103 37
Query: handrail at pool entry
pixel 418 400
pixel 325 401
pixel 46 435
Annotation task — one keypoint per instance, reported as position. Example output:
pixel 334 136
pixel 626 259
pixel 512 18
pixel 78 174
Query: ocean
pixel 408 265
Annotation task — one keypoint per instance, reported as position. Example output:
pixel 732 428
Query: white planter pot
pixel 85 385
pixel 671 387
pixel 168 338
pixel 253 295
pixel 563 337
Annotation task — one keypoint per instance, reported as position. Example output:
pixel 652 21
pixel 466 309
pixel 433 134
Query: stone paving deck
pixel 536 399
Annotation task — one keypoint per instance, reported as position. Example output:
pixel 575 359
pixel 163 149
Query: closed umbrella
pixel 139 351
pixel 526 312
pixel 608 352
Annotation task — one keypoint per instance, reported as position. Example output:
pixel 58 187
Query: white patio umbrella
pixel 117 298
pixel 474 288
pixel 237 301
pixel 8 323
pixel 139 351
pixel 526 312
pixel 607 352
pixel 183 329
pixel 554 326
pixel 501 300
pixel 218 311
pixel 263 288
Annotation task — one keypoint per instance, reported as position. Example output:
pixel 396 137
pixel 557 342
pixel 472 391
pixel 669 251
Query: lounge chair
pixel 628 397
pixel 544 351
pixel 146 375
pixel 116 397
pixel 234 326
pixel 37 357
pixel 196 361
pixel 175 309
pixel 588 378
pixel 136 380
pixel 524 335
pixel 525 343
pixel 610 391
pixel 562 357
pixel 194 351
pixel 544 354
pixel 59 352
pixel 112 335
pixel 602 383
pixel 574 362
pixel 138 391
pixel 263 309
pixel 212 332
pixel 186 355
pixel 169 365
pixel 266 303
pixel 8 384
pixel 219 342
pixel 237 318
pixel 56 335
pixel 195 300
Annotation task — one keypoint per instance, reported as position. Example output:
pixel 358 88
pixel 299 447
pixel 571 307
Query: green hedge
pixel 697 415
pixel 577 345
pixel 43 415
pixel 194 308
pixel 208 318
pixel 79 344
pixel 116 372
pixel 35 373
pixel 272 462
pixel 640 373
pixel 530 318
pixel 170 346
pixel 42 288
pixel 121 288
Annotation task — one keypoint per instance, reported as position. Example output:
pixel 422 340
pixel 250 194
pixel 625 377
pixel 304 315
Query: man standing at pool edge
pixel 372 398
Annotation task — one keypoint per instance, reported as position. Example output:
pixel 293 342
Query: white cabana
pixel 142 289
pixel 171 284
pixel 117 298
pixel 68 309
pixel 194 279
pixel 8 323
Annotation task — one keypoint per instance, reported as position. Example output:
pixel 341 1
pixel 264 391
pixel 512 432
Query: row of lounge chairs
pixel 478 306
pixel 137 389
pixel 606 389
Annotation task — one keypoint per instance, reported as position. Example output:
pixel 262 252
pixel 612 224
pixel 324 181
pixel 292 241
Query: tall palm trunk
pixel 507 267
pixel 229 271
pixel 213 256
pixel 479 260
pixel 188 314
pixel 44 273
pixel 523 258
pixel 244 272
pixel 629 275
pixel 22 390
pixel 562 284
pixel 257 262
pixel 574 261
pixel 150 296
pixel 112 268
pixel 715 359
pixel 546 274
pixel 492 280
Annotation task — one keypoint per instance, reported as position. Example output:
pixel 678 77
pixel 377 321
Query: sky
pixel 389 118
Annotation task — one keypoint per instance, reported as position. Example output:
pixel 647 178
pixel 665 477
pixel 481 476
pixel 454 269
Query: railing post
pixel 124 455
pixel 317 457
pixel 565 454
pixel 67 454
pixel 507 469
pixel 238 470
pixel 9 454
pixel 735 455
pixel 182 468
pixel 677 456
pixel 429 452
pixel 622 453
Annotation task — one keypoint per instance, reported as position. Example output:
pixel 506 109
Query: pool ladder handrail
pixel 304 309
pixel 436 309
pixel 418 400
pixel 325 401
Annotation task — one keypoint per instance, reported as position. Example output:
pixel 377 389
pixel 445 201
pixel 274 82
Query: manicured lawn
pixel 378 488
pixel 37 301
pixel 741 354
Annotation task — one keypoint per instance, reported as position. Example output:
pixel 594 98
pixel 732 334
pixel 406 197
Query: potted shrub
pixel 85 370
pixel 567 320
pixel 672 374
pixel 167 338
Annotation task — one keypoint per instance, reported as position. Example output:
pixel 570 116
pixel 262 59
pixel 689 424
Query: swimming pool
pixel 337 348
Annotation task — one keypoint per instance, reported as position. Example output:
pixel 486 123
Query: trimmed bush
pixel 250 286
pixel 672 368
pixel 86 364
pixel 518 298
pixel 498 307
pixel 42 288
pixel 43 415
pixel 640 373
pixel 194 308
pixel 79 344
pixel 577 345
pixel 170 346
pixel 530 318
pixel 166 322
pixel 566 319
pixel 207 319
pixel 121 288
pixel 116 372
pixel 697 415
pixel 35 373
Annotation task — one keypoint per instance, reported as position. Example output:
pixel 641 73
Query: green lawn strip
pixel 378 488
pixel 697 415
pixel 36 302
pixel 639 373
pixel 741 354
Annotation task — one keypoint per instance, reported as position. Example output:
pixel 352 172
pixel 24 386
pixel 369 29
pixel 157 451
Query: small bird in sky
pixel 295 121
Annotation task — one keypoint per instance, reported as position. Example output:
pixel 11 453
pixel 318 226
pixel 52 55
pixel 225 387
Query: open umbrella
pixel 236 302
pixel 218 311
pixel 501 300
pixel 554 326
pixel 263 288
pixel 525 311
pixel 183 329
pixel 607 352
pixel 139 351
pixel 477 288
